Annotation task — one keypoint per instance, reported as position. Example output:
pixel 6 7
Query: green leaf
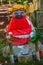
pixel 11 39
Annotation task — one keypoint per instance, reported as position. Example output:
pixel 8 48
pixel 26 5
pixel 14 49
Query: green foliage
pixel 11 39
pixel 30 0
pixel 3 59
pixel 2 44
pixel 30 63
pixel 37 35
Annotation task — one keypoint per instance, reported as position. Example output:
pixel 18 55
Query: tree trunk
pixel 11 52
pixel 37 51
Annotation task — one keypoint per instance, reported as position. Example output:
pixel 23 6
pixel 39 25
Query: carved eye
pixel 22 12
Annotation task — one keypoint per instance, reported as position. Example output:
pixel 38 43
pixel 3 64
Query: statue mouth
pixel 19 17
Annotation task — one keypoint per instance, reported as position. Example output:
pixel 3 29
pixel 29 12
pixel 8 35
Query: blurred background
pixel 34 10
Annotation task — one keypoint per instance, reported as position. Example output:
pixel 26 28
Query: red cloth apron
pixel 19 27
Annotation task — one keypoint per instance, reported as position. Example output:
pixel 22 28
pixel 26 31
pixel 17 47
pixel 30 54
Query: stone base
pixel 24 58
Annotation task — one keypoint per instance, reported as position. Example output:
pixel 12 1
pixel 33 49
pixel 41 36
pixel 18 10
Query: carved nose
pixel 19 14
